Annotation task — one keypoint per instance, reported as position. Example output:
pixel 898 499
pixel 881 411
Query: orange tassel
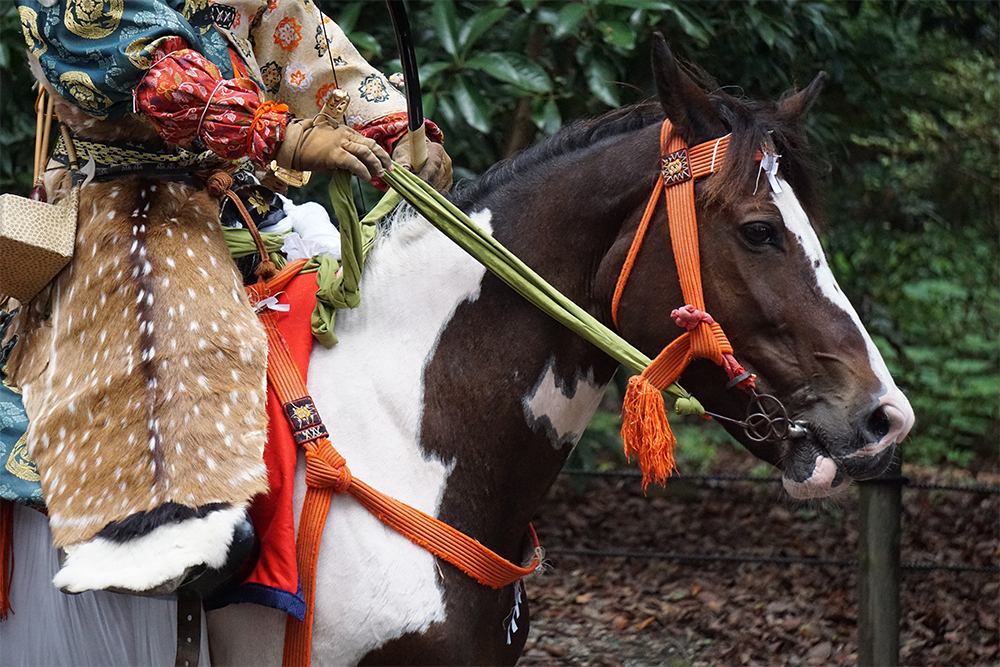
pixel 6 555
pixel 646 431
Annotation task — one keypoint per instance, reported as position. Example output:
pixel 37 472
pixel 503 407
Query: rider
pixel 248 80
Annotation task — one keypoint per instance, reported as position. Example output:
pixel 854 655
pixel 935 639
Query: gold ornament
pixel 86 94
pixel 20 464
pixel 29 26
pixel 140 52
pixel 93 19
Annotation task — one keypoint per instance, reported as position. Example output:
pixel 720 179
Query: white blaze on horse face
pixel 896 407
pixel 562 409
pixel 374 585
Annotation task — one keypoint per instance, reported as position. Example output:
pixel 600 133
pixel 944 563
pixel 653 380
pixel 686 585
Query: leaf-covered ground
pixel 634 611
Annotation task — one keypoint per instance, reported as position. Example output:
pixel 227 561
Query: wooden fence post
pixel 878 563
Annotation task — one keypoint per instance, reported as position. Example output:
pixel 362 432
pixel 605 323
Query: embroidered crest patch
pixel 224 16
pixel 304 419
pixel 676 168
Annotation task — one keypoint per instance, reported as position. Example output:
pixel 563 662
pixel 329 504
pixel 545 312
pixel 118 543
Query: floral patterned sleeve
pixel 190 103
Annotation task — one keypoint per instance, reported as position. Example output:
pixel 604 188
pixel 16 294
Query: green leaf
pixel 617 33
pixel 567 19
pixel 651 5
pixel 967 366
pixel 471 105
pixel 600 74
pixel 428 71
pixel 429 103
pixel 444 25
pixel 477 24
pixel 347 16
pixel 935 290
pixel 547 117
pixel 690 28
pixel 363 41
pixel 513 68
pixel 448 112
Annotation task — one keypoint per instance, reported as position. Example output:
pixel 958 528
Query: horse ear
pixel 685 103
pixel 795 106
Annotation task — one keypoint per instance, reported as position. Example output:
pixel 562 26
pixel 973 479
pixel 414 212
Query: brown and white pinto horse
pixel 449 392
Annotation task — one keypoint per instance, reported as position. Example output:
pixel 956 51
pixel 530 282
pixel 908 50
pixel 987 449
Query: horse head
pixel 767 282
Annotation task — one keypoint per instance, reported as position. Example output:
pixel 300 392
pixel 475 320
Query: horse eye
pixel 758 233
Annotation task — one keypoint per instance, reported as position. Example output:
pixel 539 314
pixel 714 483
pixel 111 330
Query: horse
pixel 449 392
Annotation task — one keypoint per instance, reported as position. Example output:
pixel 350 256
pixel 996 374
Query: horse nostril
pixel 879 423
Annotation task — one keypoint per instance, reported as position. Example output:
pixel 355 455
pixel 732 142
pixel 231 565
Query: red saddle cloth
pixel 274 581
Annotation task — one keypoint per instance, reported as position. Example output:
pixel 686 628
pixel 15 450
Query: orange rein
pixel 645 430
pixel 327 473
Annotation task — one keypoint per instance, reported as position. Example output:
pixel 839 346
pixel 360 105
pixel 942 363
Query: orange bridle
pixel 651 438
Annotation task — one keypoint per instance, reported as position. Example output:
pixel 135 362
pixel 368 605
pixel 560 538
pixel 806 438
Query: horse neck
pixel 523 387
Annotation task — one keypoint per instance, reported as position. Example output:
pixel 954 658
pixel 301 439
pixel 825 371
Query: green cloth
pixel 336 288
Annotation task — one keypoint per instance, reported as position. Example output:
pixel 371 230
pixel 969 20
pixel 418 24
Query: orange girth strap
pixel 645 430
pixel 327 473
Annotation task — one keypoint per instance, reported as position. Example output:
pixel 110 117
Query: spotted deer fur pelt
pixel 143 371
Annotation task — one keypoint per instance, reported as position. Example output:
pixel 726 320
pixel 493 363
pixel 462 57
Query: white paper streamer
pixel 271 302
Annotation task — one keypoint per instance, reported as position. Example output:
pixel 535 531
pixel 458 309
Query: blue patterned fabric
pixel 95 52
pixel 19 479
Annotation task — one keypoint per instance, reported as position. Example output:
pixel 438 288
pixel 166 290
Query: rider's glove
pixel 323 144
pixel 436 171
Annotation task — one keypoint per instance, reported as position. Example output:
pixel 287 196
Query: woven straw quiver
pixel 36 242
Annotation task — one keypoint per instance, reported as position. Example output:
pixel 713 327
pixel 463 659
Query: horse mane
pixel 579 135
pixel 750 123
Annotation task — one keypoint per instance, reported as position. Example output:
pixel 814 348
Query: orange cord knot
pixel 326 468
pixel 266 107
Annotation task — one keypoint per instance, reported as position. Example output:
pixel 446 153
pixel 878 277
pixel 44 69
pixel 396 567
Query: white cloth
pixel 93 628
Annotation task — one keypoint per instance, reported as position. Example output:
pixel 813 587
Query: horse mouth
pixel 810 470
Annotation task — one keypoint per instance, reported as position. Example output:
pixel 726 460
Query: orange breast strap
pixel 645 430
pixel 327 473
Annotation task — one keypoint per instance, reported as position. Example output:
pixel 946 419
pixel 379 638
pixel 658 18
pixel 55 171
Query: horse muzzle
pixel 827 453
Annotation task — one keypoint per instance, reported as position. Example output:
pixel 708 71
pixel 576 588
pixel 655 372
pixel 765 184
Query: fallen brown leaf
pixel 642 625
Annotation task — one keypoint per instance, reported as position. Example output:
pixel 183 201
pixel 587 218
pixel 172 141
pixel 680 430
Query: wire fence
pixel 757 479
pixel 722 480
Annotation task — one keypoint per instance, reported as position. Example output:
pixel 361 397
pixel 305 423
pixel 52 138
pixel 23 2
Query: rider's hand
pixel 323 145
pixel 436 171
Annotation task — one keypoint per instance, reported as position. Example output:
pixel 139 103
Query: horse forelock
pixel 752 124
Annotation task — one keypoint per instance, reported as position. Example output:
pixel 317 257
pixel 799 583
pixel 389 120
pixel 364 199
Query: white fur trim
pixel 163 554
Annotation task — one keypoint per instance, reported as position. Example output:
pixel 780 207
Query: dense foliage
pixel 908 131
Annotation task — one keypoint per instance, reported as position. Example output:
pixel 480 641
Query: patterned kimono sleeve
pixel 189 103
pixel 295 44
